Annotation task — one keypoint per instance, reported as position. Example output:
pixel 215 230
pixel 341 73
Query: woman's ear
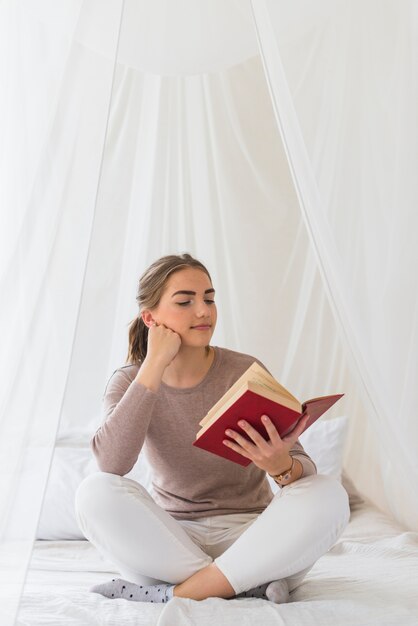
pixel 147 318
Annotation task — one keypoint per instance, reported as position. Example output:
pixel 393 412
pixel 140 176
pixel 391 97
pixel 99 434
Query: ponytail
pixel 138 341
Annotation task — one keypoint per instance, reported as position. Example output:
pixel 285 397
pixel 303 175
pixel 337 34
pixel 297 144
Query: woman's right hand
pixel 163 344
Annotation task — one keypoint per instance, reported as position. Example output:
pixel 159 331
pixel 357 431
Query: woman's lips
pixel 206 327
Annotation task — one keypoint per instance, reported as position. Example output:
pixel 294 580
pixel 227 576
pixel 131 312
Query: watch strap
pixel 285 475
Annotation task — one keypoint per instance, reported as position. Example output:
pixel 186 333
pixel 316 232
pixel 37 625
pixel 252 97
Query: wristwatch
pixel 285 475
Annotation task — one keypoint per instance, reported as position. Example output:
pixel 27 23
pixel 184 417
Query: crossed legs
pixel 148 546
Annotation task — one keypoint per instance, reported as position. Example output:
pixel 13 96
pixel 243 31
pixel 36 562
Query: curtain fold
pixel 349 144
pixel 43 268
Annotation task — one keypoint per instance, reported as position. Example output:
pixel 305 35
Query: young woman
pixel 212 527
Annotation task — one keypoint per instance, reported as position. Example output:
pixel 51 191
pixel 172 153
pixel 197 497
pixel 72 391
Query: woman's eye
pixel 188 302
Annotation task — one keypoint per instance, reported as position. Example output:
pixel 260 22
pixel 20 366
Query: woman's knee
pixel 325 495
pixel 334 498
pixel 335 492
pixel 103 491
pixel 91 487
pixel 94 488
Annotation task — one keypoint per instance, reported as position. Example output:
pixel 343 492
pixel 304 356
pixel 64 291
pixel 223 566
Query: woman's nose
pixel 203 309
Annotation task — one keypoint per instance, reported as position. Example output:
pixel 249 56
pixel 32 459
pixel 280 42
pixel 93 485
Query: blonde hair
pixel 150 289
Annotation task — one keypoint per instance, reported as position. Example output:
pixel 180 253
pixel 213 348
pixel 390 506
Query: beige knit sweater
pixel 187 482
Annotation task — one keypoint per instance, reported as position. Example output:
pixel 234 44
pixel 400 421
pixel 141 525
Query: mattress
pixel 370 576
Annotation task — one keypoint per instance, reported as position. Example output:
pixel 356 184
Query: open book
pixel 254 394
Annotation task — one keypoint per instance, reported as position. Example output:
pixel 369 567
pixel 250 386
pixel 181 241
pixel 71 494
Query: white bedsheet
pixel 369 577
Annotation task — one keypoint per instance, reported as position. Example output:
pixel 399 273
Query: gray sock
pixel 277 591
pixel 119 588
pixel 257 592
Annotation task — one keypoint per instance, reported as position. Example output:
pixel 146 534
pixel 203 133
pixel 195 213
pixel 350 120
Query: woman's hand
pixel 271 456
pixel 163 344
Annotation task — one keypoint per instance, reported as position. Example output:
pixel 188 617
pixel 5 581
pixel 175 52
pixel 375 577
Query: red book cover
pixel 251 406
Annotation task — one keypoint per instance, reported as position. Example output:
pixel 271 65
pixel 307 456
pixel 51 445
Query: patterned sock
pixel 277 591
pixel 119 588
pixel 257 592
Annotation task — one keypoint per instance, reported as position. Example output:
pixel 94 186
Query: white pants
pixel 148 545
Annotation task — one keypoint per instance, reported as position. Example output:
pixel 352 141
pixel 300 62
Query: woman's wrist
pixel 283 466
pixel 150 374
pixel 295 468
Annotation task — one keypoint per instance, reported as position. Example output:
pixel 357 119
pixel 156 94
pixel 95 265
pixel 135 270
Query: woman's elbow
pixel 110 465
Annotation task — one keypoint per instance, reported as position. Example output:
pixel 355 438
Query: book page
pixel 262 390
pixel 212 417
pixel 256 374
pixel 231 391
pixel 261 376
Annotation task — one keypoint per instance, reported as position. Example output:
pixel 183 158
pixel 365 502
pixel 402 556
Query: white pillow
pixel 323 441
pixel 70 465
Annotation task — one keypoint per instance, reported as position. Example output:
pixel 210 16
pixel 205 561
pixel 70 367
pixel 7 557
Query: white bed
pixel 369 577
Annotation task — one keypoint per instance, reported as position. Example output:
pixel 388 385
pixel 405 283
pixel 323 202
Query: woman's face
pixel 188 307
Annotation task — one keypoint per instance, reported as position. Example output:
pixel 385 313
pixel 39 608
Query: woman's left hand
pixel 270 455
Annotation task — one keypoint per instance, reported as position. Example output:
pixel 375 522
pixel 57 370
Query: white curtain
pixel 54 112
pixel 129 132
pixel 344 90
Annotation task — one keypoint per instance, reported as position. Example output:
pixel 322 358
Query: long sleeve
pixel 127 410
pixel 309 467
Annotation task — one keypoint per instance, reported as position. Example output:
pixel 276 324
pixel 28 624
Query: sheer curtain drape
pixel 118 150
pixel 55 104
pixel 344 91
